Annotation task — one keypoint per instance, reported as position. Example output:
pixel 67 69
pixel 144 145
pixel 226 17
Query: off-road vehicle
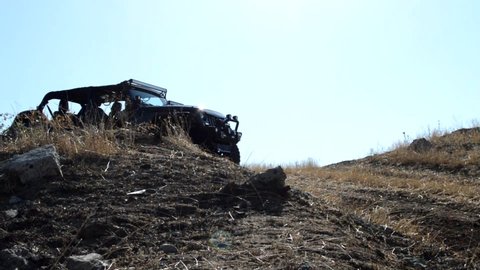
pixel 131 103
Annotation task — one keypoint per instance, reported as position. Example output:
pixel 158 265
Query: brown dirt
pixel 90 211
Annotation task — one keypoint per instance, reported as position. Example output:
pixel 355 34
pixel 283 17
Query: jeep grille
pixel 210 120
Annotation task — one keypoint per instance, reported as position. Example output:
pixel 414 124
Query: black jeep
pixel 133 102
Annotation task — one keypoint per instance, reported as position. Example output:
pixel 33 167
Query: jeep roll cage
pixel 84 95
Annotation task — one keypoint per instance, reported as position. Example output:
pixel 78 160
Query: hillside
pixel 427 192
pixel 166 204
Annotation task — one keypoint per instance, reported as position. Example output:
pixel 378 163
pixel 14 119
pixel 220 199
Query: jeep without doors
pixel 131 103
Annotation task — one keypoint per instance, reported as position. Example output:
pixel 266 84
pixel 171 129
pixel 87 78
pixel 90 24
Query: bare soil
pixel 128 206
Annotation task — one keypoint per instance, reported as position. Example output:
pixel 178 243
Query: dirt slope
pixel 179 217
pixel 431 197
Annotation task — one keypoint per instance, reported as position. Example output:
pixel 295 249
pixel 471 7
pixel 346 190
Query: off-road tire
pixel 235 154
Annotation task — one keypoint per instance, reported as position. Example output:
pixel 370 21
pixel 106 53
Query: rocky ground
pixel 169 206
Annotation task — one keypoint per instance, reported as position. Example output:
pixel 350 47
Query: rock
pixel 272 179
pixel 16 258
pixel 168 248
pixel 420 145
pixel 11 213
pixel 33 165
pixel 92 261
pixel 221 240
pixel 266 191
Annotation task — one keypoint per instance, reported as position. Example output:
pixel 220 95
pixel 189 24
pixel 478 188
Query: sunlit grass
pixel 432 173
pixel 452 151
pixel 72 141
pixel 69 143
pixel 329 184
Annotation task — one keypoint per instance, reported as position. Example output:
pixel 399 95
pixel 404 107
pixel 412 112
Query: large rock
pixel 420 145
pixel 272 180
pixel 265 191
pixel 33 165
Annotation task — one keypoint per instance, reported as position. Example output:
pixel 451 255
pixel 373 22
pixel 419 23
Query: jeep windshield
pixel 147 99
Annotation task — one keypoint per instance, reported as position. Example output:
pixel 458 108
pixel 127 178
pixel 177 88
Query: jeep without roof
pixel 133 102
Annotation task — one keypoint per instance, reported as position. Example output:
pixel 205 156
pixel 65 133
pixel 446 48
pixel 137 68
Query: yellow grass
pixel 69 143
pixel 431 173
pixel 73 141
pixel 440 184
pixel 451 151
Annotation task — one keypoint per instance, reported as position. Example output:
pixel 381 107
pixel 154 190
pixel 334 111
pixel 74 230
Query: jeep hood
pixel 214 113
pixel 195 108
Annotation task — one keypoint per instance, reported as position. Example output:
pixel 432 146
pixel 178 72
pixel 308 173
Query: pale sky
pixel 326 80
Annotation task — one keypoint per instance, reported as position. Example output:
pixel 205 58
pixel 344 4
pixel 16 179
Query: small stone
pixel 11 213
pixel 168 248
pixel 221 240
pixel 92 261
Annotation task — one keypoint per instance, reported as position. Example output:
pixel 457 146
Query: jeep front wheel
pixel 235 154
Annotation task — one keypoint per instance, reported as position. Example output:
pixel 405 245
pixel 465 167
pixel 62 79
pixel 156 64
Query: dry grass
pixel 326 184
pixel 72 141
pixel 458 150
pixel 380 189
pixel 401 170
pixel 451 151
pixel 385 179
pixel 69 143
pixel 175 133
pixel 382 216
pixel 322 181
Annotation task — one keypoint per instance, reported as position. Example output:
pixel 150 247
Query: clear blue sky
pixel 328 80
